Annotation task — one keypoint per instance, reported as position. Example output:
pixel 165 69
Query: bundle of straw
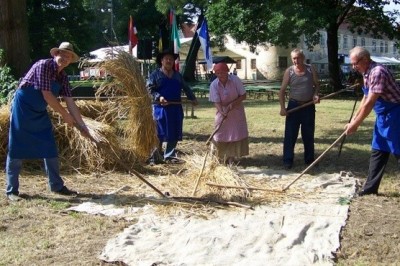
pixel 101 111
pixel 128 90
pixel 4 127
pixel 82 153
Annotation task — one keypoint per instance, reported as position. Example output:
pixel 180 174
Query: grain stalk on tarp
pixel 127 89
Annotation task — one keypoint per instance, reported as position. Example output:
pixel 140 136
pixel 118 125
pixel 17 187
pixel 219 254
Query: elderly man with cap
pixel 31 133
pixel 381 94
pixel 228 93
pixel 165 86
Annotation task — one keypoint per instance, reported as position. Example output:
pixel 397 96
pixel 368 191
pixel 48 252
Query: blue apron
pixel 31 132
pixel 169 118
pixel 386 136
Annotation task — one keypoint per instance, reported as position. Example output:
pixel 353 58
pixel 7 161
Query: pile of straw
pixel 128 91
pixel 4 127
pixel 82 153
pixel 75 151
pixel 102 111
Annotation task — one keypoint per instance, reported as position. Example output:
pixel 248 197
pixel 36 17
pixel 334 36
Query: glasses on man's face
pixel 357 62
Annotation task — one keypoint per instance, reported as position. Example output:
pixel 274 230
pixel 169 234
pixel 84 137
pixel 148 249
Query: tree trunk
pixel 332 41
pixel 14 35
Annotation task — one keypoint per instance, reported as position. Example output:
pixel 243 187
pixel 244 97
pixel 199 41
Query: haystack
pixel 4 127
pixel 127 89
pixel 75 151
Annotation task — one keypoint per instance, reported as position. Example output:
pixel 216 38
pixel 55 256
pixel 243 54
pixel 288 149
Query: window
pixel 238 64
pixel 386 47
pixel 339 41
pixel 345 42
pixel 394 48
pixel 322 40
pixel 363 42
pixel 373 45
pixel 253 64
pixel 354 42
pixel 282 63
pixel 381 47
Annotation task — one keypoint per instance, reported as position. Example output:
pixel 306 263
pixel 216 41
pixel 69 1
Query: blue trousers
pixel 303 119
pixel 13 169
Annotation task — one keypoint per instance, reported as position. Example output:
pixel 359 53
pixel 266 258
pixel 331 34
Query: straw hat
pixel 65 46
pixel 161 55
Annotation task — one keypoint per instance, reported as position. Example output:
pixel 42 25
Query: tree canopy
pixel 282 23
pixel 90 24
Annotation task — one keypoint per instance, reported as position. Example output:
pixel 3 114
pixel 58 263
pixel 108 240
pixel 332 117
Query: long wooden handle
pixel 323 97
pixel 315 161
pixel 215 130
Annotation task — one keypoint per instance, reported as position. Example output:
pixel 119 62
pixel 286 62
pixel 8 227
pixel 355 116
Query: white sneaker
pixel 13 197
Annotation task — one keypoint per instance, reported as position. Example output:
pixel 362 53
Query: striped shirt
pixel 378 79
pixel 42 74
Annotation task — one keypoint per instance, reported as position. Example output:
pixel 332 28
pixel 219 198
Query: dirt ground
pixel 38 230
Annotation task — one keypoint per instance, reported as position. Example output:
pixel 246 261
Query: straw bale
pixel 101 111
pixel 4 127
pixel 128 92
pixel 82 153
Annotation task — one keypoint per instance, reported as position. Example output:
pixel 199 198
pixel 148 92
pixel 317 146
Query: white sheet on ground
pixel 304 232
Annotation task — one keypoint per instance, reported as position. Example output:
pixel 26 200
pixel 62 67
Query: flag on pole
pixel 174 37
pixel 204 38
pixel 133 40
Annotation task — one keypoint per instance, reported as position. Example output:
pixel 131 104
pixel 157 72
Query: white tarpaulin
pixel 301 232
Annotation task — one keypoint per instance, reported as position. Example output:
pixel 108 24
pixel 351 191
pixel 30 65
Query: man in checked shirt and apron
pixel 382 94
pixel 31 132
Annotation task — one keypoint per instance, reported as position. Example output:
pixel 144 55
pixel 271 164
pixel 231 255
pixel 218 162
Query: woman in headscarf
pixel 227 93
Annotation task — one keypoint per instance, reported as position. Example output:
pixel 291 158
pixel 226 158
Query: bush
pixel 7 82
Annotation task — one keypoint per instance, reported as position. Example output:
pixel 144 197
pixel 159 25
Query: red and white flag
pixel 133 40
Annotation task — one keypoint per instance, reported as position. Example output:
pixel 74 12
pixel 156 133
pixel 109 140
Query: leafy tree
pixel 14 34
pixel 7 80
pixel 282 23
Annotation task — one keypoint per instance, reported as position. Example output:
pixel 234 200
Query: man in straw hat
pixel 381 94
pixel 31 134
pixel 228 93
pixel 165 86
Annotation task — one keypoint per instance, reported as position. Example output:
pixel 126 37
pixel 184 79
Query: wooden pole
pixel 323 97
pixel 205 156
pixel 241 187
pixel 315 161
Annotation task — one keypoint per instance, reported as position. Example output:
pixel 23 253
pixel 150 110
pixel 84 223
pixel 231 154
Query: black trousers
pixel 377 165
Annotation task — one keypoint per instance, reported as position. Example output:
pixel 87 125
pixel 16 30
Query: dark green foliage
pixel 7 81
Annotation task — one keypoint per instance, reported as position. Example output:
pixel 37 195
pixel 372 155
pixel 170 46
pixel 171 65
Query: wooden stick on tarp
pixel 315 162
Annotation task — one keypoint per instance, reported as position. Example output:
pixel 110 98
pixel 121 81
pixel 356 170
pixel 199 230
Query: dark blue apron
pixel 169 118
pixel 31 132
pixel 386 136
